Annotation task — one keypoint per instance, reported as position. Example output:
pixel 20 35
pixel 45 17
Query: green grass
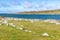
pixel 37 28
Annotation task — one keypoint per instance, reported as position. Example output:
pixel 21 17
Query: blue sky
pixel 28 5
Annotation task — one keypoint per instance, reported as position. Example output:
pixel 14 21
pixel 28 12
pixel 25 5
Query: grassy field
pixel 37 28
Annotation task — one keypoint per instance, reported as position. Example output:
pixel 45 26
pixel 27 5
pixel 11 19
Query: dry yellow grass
pixel 42 12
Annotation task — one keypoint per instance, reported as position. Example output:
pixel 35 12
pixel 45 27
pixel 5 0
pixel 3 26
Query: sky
pixel 28 5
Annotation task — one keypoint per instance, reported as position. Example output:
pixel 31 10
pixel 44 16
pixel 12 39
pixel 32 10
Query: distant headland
pixel 42 12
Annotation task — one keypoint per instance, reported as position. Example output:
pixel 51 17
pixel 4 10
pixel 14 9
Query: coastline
pixel 42 12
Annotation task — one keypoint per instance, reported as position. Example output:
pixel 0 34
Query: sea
pixel 32 16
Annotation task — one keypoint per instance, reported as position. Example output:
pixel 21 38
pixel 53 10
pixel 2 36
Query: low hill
pixel 42 12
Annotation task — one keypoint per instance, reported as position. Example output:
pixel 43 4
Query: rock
pixel 31 21
pixel 21 28
pixel 7 24
pixel 57 23
pixel 0 24
pixel 5 21
pixel 30 31
pixel 26 20
pixel 20 19
pixel 45 34
pixel 26 30
pixel 50 21
pixel 12 24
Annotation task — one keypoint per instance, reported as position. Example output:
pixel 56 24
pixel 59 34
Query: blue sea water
pixel 33 16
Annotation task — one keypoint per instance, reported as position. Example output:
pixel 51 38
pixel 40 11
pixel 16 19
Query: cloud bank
pixel 28 5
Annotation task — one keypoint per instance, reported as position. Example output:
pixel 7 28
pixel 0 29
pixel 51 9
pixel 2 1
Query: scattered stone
pixel 21 28
pixel 26 30
pixel 12 24
pixel 45 34
pixel 31 21
pixel 20 19
pixel 50 21
pixel 0 24
pixel 16 19
pixel 36 20
pixel 5 21
pixel 1 21
pixel 30 31
pixel 7 24
pixel 57 23
pixel 46 20
pixel 26 20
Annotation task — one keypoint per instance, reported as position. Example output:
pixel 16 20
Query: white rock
pixel 0 24
pixel 5 21
pixel 7 24
pixel 46 20
pixel 45 34
pixel 0 21
pixel 50 21
pixel 20 19
pixel 9 18
pixel 36 20
pixel 57 23
pixel 26 19
pixel 26 30
pixel 21 28
pixel 31 21
pixel 12 24
pixel 16 19
pixel 30 31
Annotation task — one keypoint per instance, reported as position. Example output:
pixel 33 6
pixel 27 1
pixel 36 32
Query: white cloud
pixel 29 6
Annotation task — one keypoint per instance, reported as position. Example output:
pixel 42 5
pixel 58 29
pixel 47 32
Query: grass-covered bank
pixel 8 32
